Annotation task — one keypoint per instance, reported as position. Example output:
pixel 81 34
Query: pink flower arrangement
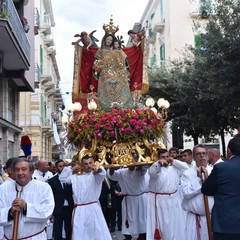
pixel 116 125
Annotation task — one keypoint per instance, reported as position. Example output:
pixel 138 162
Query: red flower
pixel 108 126
pixel 97 126
pixel 132 122
pixel 116 125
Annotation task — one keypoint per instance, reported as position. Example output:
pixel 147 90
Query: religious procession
pixel 122 176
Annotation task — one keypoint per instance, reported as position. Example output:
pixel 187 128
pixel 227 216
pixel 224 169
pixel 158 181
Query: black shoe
pixel 112 230
pixel 119 228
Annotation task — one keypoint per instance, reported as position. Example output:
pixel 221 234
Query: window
pixel 197 40
pixel 10 149
pixel 162 54
pixel 11 105
pixel 41 59
pixel 162 17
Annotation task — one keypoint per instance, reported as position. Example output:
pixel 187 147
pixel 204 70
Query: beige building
pixel 40 111
pixel 15 73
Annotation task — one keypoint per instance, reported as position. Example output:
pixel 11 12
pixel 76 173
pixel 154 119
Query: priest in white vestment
pixel 35 203
pixel 166 218
pixel 193 201
pixel 134 184
pixel 88 222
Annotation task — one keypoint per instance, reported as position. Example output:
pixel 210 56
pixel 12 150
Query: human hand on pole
pixel 76 169
pixel 19 203
pixel 163 162
pixel 170 161
pixel 96 169
pixel 202 173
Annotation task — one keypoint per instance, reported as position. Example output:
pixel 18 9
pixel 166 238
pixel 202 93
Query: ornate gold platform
pixel 119 138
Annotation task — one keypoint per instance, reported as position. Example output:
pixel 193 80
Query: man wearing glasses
pixel 193 202
pixel 223 184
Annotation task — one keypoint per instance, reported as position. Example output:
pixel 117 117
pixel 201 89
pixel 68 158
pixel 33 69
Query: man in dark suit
pixel 223 183
pixel 63 204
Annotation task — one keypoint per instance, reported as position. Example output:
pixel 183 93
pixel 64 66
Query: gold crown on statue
pixel 110 28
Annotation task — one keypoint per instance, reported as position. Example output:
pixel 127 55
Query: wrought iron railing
pixel 36 21
pixel 17 26
pixel 37 73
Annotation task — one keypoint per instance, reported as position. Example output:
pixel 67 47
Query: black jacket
pixel 60 193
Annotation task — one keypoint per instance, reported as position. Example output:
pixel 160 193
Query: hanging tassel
pixel 157 235
pixel 126 224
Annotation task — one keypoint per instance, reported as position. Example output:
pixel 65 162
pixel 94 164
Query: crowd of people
pixel 161 201
pixel 82 201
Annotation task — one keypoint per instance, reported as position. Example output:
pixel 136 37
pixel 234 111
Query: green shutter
pixel 43 113
pixel 41 59
pixel 162 52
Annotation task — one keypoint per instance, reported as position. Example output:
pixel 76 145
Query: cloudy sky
pixel 73 17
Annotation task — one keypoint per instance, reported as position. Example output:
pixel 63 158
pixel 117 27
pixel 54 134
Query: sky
pixel 74 16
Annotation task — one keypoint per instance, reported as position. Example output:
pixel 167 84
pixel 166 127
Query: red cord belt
pixel 27 236
pixel 84 204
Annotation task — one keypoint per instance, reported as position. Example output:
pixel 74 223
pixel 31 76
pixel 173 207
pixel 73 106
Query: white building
pixel 169 29
pixel 41 111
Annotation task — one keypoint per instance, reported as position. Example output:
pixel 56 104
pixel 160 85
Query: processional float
pixel 119 136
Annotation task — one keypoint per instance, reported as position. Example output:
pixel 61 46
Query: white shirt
pixel 38 175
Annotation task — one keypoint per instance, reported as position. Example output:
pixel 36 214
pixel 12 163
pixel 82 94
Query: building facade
pixel 40 111
pixel 169 26
pixel 15 61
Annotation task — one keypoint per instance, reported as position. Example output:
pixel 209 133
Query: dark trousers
pixel 116 212
pixel 105 209
pixel 225 236
pixel 65 217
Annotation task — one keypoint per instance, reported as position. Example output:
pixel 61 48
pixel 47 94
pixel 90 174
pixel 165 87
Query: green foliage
pixel 203 86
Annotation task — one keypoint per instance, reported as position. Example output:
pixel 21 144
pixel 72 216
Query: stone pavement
pixel 117 235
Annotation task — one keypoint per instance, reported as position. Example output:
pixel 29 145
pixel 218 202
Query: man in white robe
pixel 88 222
pixel 43 174
pixel 193 201
pixel 166 218
pixel 10 178
pixel 133 182
pixel 34 202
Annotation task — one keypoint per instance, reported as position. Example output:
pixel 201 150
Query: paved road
pixel 117 235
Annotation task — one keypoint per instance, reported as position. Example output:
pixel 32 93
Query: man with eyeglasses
pixel 223 184
pixel 193 201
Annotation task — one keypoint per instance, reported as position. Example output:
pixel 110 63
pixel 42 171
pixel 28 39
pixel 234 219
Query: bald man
pixel 214 156
pixel 42 173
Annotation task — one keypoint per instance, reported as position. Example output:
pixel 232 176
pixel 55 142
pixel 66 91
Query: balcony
pixel 151 37
pixel 45 25
pixel 36 22
pixel 46 75
pixel 46 123
pixel 48 40
pixel 14 44
pixel 201 10
pixel 159 27
pixel 195 10
pixel 37 76
pixel 45 79
pixel 51 51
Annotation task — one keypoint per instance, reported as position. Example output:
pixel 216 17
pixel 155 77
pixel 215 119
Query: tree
pixel 203 86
